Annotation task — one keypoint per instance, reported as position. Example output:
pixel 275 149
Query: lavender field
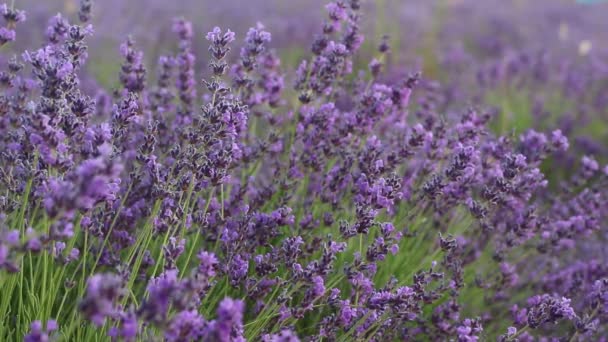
pixel 305 170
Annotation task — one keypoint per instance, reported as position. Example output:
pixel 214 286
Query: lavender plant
pixel 270 202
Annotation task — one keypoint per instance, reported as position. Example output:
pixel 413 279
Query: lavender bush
pixel 329 200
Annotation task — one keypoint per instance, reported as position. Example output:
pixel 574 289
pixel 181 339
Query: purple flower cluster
pixel 40 334
pixel 334 202
pixel 11 18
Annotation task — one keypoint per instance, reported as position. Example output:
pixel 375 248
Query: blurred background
pixel 423 33
pixel 540 64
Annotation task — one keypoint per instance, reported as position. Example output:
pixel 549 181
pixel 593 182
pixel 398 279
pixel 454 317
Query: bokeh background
pixel 539 64
pixel 423 33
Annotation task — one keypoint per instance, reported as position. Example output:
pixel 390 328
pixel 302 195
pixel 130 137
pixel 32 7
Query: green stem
pixel 197 236
pixel 105 241
pixel 222 198
pixel 519 332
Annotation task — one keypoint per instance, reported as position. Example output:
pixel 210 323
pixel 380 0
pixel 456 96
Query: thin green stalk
pixel 197 236
pixel 222 198
pixel 374 327
pixel 147 232
pixel 351 330
pixel 105 241
pixel 519 332
pixel 267 315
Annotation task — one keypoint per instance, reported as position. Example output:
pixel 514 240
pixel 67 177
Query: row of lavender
pixel 254 206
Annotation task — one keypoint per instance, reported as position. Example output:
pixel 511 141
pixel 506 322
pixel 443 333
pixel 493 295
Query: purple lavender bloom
pixel 186 326
pixel 6 35
pixel 559 141
pixel 318 286
pixel 217 38
pixel 38 333
pixel 219 47
pixel 161 290
pixel 93 181
pixel 128 327
pixel 84 13
pixel 590 166
pixel 57 29
pixel 185 82
pixel 599 295
pixel 208 263
pixel 283 336
pixel 548 309
pixel 103 291
pixel 228 326
pixel 11 17
pixel 254 46
pixel 470 330
pixel 238 269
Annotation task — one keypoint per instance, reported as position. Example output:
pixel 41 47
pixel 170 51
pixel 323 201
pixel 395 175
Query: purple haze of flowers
pixel 38 333
pixel 100 301
pixel 357 198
